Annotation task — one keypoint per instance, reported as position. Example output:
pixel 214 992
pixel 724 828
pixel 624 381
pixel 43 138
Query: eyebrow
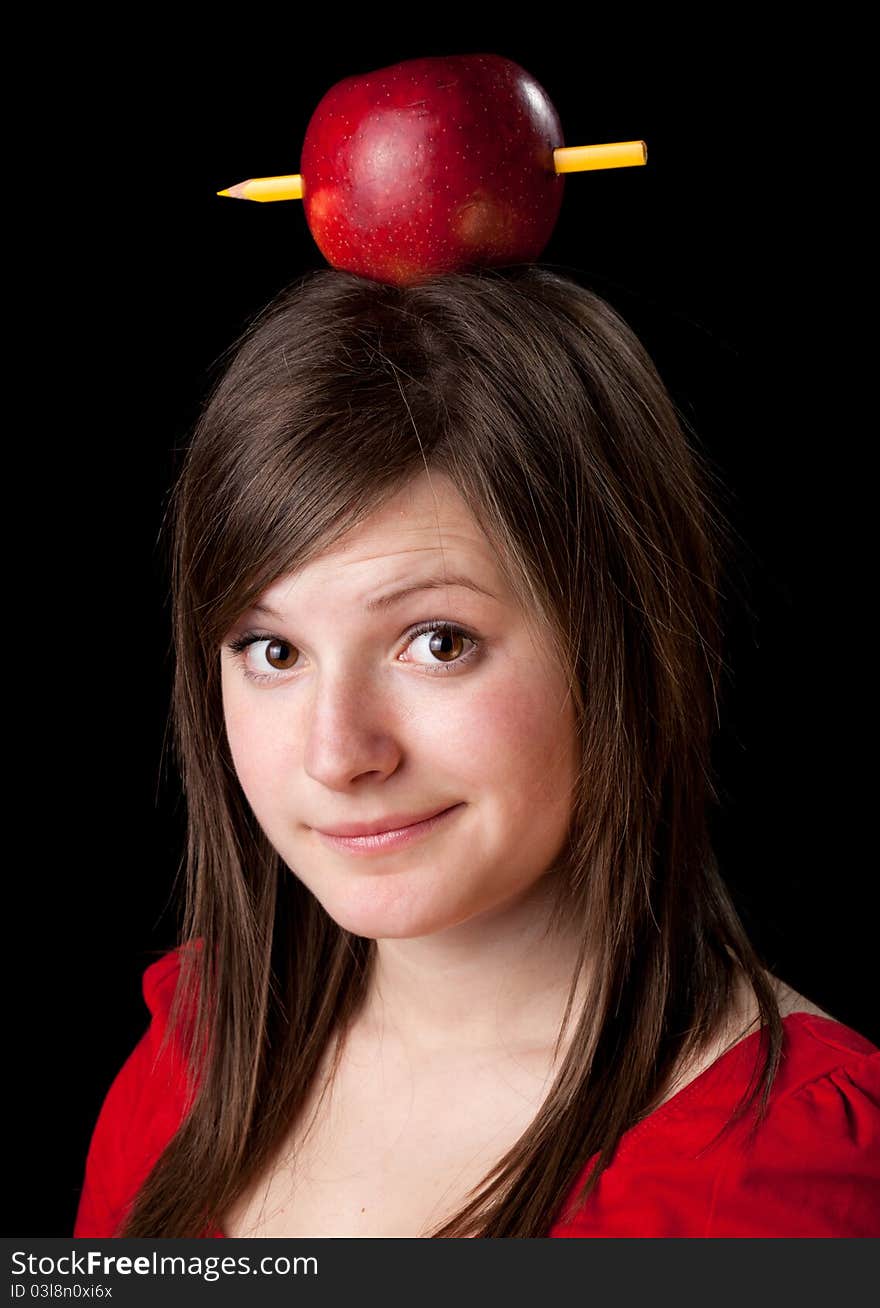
pixel 382 602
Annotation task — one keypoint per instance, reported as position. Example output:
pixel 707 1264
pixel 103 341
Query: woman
pixel 444 562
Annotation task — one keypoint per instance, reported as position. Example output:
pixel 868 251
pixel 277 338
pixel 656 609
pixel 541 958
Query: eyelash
pixel 241 643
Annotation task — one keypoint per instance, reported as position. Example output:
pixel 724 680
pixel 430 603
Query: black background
pixel 731 254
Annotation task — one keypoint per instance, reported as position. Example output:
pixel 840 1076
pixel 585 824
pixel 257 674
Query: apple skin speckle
pixel 443 164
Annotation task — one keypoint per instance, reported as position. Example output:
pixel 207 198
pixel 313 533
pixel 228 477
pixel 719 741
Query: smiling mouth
pixel 378 841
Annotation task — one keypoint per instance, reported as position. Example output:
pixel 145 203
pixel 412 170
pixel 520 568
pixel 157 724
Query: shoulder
pixel 159 981
pixel 812 1167
pixel 791 1002
pixel 741 1021
pixel 141 1110
pixel 818 1049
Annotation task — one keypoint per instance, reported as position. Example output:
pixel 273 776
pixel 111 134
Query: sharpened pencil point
pixel 224 192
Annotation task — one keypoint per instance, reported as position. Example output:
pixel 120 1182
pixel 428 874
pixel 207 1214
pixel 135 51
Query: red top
pixel 814 1169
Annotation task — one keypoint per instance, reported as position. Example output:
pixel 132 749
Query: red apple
pixel 432 165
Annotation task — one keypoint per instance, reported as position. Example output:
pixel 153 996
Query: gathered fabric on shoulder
pixel 812 1170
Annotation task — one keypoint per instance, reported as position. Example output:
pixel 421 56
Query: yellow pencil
pixel 567 159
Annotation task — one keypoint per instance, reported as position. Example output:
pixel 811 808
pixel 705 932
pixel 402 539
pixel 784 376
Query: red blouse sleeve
pixel 814 1168
pixel 140 1113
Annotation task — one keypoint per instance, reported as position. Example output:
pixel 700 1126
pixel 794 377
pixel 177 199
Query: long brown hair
pixel 537 399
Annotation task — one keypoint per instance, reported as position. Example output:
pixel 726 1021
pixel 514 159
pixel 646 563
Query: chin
pixel 389 908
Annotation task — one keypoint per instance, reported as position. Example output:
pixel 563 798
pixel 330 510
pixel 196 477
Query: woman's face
pixel 361 720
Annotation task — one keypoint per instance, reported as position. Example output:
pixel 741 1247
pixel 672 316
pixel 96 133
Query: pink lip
pixel 368 838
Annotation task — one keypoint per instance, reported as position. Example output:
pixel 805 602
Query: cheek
pixel 253 749
pixel 517 738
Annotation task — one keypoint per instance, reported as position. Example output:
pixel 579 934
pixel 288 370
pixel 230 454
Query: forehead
pixel 425 529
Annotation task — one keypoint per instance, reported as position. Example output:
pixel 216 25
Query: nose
pixel 350 731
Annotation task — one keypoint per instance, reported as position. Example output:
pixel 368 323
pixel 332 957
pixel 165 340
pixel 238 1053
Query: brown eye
pixel 441 647
pixel 281 655
pixel 446 644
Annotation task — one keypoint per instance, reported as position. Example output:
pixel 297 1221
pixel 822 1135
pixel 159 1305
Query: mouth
pixel 395 838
